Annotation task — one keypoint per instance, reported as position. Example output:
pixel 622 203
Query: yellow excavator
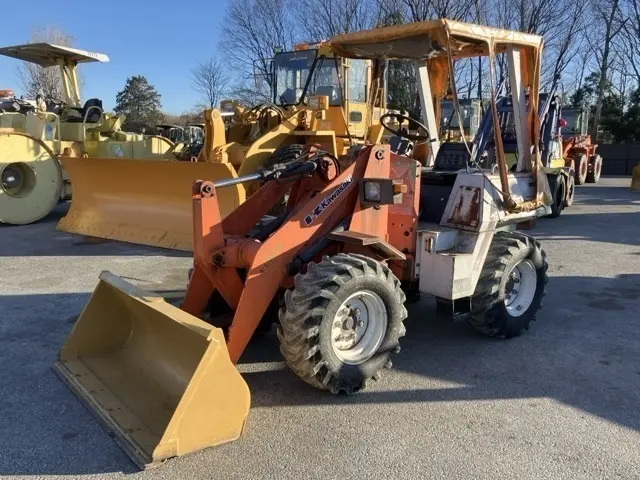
pixel 33 136
pixel 318 99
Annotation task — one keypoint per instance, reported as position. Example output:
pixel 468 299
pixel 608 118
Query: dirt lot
pixel 561 402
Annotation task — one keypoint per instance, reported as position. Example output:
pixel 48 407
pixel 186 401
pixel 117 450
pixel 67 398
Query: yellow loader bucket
pixel 160 379
pixel 141 201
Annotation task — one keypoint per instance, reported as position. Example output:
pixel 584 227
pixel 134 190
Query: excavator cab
pixel 313 70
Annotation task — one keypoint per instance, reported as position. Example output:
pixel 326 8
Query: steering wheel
pixel 401 132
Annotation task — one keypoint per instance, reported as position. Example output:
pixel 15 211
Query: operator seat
pixel 290 96
pixel 437 182
pixel 331 92
pixel 94 115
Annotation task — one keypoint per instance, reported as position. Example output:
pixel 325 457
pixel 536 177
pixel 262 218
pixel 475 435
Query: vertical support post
pixel 65 83
pixel 519 110
pixel 74 83
pixel 346 68
pixel 428 113
pixel 385 86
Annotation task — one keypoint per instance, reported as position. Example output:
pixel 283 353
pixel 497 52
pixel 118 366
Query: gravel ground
pixel 561 402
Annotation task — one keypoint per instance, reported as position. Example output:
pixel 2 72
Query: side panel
pixel 453 253
pixel 403 217
pixel 451 261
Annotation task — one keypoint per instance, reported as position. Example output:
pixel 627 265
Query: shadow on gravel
pixel 45 240
pixel 606 196
pixel 583 351
pixel 44 429
pixel 620 227
pixel 598 227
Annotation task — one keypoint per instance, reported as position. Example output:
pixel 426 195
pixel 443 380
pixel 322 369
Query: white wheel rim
pixel 359 327
pixel 520 288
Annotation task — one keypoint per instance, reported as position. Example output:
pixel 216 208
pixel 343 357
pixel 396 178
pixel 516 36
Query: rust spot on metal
pixel 467 208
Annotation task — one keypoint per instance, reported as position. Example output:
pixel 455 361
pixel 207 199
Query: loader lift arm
pixel 221 246
pixel 322 198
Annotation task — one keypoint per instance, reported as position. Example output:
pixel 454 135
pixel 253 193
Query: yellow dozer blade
pixel 160 379
pixel 141 201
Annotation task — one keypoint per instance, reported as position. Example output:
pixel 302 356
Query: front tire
pixel 342 322
pixel 511 286
pixel 595 169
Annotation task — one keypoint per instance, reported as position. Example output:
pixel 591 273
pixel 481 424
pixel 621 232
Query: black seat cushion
pixel 94 115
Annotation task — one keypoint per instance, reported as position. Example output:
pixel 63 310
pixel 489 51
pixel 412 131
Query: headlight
pixel 372 191
pixel 381 191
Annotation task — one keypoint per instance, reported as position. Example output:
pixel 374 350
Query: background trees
pixel 210 80
pixel 140 102
pixel 592 47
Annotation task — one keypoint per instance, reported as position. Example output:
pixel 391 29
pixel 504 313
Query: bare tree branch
pixel 609 15
pixel 251 31
pixel 321 20
pixel 35 79
pixel 210 81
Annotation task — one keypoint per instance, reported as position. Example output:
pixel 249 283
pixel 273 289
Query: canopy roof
pixel 48 54
pixel 422 40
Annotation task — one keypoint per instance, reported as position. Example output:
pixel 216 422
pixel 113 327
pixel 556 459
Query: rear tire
pixel 558 191
pixel 511 286
pixel 596 169
pixel 582 168
pixel 571 190
pixel 342 322
pixel 282 155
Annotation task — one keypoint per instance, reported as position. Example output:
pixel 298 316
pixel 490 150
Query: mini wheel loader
pixel 336 265
pixel 34 137
pixel 319 98
pixel 577 146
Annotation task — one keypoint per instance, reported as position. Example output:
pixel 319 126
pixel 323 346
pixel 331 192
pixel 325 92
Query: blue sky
pixel 160 39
